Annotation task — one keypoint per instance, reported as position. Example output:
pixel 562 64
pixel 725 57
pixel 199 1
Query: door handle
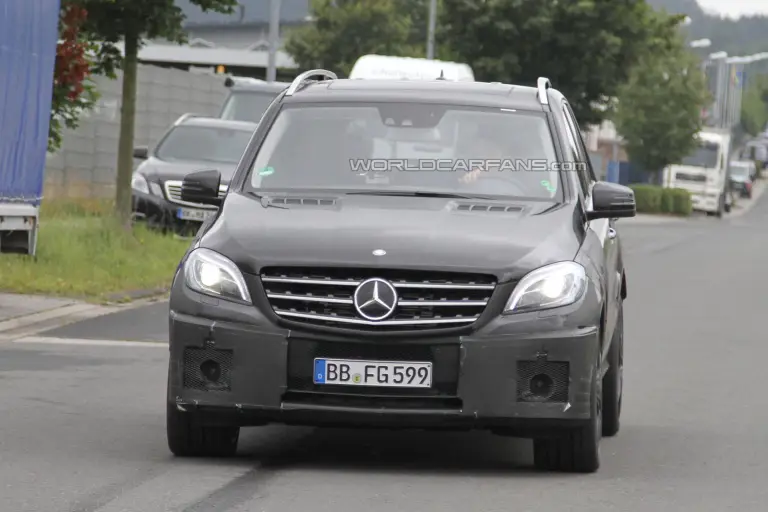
pixel 611 233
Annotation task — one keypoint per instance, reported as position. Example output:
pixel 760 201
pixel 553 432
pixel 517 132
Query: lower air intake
pixel 542 381
pixel 208 369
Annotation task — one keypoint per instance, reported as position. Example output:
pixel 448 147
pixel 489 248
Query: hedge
pixel 655 199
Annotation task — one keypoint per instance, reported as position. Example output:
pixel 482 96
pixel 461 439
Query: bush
pixel 655 199
pixel 667 200
pixel 647 198
pixel 681 201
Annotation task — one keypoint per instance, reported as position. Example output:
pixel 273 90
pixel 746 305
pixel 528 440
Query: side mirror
pixel 141 152
pixel 611 201
pixel 202 187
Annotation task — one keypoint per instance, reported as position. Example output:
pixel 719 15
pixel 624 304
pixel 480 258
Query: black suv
pixel 421 254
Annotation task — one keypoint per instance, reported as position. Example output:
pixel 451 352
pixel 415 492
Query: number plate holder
pixel 354 372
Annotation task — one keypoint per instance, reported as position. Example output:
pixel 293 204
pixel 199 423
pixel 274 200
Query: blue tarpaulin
pixel 28 38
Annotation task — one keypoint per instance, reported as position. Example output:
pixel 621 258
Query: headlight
pixel 211 273
pixel 139 183
pixel 552 286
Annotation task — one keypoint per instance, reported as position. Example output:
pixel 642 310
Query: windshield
pixel 704 156
pixel 203 144
pixel 247 106
pixel 739 170
pixel 410 147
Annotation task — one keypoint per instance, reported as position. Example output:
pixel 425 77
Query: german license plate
pixel 192 214
pixel 393 374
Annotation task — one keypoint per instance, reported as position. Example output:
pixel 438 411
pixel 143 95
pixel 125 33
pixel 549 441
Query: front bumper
pixel 480 379
pixel 705 203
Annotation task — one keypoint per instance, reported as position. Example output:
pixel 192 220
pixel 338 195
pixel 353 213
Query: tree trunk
pixel 123 198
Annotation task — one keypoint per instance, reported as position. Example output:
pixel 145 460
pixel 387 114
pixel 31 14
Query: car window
pixel 203 144
pixel 409 146
pixel 590 173
pixel 247 106
pixel 572 134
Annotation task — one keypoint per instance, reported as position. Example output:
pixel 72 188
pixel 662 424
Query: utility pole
pixel 274 39
pixel 431 29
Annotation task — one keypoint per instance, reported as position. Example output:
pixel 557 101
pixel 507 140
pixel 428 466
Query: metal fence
pixel 86 164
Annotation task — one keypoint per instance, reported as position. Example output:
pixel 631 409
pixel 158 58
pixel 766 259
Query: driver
pixel 491 153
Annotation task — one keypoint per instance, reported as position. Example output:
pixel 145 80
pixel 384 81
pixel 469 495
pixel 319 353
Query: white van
pixel 704 173
pixel 408 68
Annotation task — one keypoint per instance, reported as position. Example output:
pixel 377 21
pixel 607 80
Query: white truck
pixel 386 67
pixel 704 173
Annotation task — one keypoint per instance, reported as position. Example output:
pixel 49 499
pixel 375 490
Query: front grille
pixel 207 369
pixel 543 381
pixel 173 194
pixel 425 299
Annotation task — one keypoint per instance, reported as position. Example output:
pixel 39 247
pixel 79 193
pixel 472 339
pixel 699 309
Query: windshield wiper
pixel 407 193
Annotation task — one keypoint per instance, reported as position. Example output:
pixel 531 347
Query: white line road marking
pixel 79 341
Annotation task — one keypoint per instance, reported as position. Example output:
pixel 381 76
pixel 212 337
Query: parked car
pixel 192 143
pixel 742 174
pixel 248 98
pixel 331 291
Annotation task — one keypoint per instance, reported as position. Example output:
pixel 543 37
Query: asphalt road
pixel 82 427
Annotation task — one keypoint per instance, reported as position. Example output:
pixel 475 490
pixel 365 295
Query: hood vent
pixel 488 208
pixel 302 201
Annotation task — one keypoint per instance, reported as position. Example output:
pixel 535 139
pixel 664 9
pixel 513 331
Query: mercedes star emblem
pixel 375 299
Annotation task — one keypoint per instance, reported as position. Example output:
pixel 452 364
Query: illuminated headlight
pixel 552 286
pixel 211 273
pixel 140 183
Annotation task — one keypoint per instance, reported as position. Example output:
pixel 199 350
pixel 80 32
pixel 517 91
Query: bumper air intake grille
pixel 542 381
pixel 207 369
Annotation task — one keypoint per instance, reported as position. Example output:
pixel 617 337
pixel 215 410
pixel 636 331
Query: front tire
pixel 613 382
pixel 576 450
pixel 188 439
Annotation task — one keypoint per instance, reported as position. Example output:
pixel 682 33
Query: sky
pixel 735 8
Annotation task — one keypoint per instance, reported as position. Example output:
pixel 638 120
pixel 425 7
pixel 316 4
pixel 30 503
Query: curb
pixel 31 324
pixel 135 295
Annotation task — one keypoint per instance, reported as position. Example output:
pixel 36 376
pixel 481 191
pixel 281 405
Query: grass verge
pixel 83 253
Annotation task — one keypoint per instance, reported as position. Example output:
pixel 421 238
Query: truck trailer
pixel 28 39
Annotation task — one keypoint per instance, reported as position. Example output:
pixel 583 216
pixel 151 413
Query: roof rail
pixel 305 77
pixel 184 117
pixel 542 85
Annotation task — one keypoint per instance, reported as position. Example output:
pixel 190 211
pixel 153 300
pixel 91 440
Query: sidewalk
pixel 25 315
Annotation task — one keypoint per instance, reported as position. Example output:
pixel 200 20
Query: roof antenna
pixel 442 76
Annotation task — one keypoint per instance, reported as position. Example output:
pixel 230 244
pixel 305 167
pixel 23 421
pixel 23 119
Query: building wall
pixel 86 164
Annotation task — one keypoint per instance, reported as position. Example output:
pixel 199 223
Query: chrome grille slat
pixel 334 300
pixel 426 299
pixel 360 321
pixel 172 189
pixel 394 283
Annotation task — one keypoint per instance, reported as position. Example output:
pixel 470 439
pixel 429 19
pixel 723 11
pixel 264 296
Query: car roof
pixel 432 91
pixel 241 84
pixel 215 122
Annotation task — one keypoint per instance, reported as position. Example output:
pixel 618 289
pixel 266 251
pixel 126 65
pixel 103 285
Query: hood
pixel 416 233
pixel 160 170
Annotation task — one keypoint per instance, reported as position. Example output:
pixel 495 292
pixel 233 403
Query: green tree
pixel 659 108
pixel 754 106
pixel 343 30
pixel 132 22
pixel 586 48
pixel 73 89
